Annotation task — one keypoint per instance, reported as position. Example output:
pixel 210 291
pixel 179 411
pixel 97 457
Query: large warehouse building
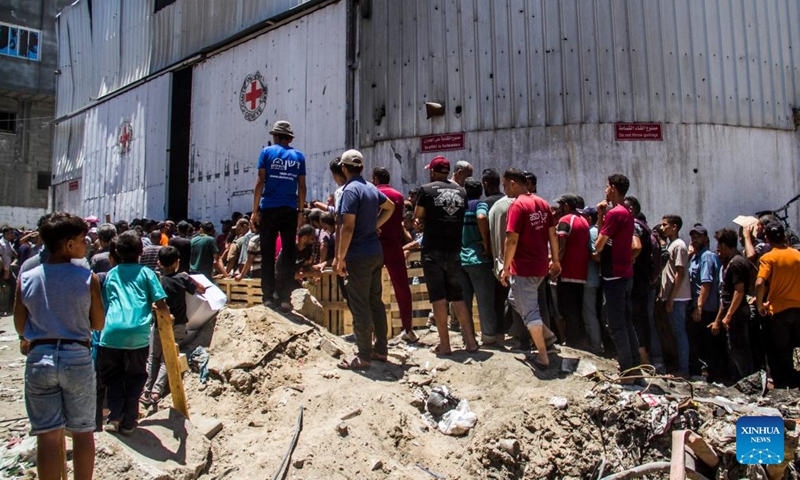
pixel 163 106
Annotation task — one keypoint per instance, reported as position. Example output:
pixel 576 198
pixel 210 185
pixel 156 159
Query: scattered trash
pixel 199 358
pixel 459 421
pixel 375 464
pixel 569 365
pixel 342 429
pixel 352 414
pixel 585 368
pixel 440 401
pixel 559 402
pixel 20 457
pixel 755 384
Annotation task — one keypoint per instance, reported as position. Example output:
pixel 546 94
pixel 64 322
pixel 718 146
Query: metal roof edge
pixel 215 49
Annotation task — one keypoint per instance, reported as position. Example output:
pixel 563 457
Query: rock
pixel 442 367
pixel 255 423
pixel 299 463
pixel 328 347
pixel 215 390
pixel 306 305
pixel 209 427
pixel 418 403
pixel 330 374
pixel 342 429
pixel 401 357
pixel 352 414
pixel 420 380
pixel 165 445
pixel 469 361
pixel 375 464
pixel 241 381
pixel 510 446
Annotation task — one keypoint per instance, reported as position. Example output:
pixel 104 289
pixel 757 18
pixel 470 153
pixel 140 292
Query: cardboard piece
pixel 745 220
pixel 201 308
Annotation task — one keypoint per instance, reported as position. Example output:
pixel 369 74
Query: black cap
pixel 570 199
pixel 698 230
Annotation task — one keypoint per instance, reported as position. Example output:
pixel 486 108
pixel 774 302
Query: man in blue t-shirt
pixel 359 259
pixel 278 200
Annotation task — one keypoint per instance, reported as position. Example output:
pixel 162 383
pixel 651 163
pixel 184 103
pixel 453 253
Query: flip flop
pixel 478 347
pixel 354 364
pixel 378 357
pixel 536 363
pixel 435 351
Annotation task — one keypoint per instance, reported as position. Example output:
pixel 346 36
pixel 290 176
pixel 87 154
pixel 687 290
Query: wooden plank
pixel 170 353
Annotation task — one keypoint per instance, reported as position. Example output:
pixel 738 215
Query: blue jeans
pixel 677 320
pixel 60 388
pixel 617 295
pixel 479 280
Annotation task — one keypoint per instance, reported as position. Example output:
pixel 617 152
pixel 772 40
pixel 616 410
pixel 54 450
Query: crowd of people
pixel 596 277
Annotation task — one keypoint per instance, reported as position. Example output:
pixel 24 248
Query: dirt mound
pixel 263 366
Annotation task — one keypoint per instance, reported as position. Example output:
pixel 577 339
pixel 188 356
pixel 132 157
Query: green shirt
pixel 204 247
pixel 129 292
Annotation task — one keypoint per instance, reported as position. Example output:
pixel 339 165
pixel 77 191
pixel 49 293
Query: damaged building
pixel 163 106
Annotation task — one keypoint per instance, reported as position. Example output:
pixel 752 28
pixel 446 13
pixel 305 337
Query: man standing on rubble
pixel 530 230
pixel 359 259
pixel 278 200
pixel 781 268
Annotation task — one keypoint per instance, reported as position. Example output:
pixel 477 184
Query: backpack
pixel 649 260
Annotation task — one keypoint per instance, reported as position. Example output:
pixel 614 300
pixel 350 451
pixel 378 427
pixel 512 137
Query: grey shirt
pixel 498 224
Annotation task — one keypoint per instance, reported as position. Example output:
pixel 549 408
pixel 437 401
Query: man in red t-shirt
pixel 616 247
pixel 573 245
pixel 392 237
pixel 530 230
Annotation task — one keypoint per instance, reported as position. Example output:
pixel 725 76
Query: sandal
pixel 378 357
pixel 435 350
pixel 354 364
pixel 474 350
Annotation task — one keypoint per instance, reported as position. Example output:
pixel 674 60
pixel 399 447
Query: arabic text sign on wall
pixel 441 143
pixel 73 185
pixel 641 132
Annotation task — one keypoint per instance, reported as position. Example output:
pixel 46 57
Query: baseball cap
pixel 352 158
pixel 775 232
pixel 572 200
pixel 439 164
pixel 698 230
pixel 282 127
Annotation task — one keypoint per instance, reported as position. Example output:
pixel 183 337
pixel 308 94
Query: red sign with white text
pixel 73 185
pixel 638 132
pixel 441 143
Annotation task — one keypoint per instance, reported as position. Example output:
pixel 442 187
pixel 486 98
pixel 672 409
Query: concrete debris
pixel 352 414
pixel 342 429
pixel 328 347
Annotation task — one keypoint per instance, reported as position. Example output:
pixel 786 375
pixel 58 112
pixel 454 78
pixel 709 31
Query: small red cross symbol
pixel 253 95
pixel 125 137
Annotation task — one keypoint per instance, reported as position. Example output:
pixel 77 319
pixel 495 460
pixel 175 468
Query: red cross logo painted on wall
pixel 124 137
pixel 253 96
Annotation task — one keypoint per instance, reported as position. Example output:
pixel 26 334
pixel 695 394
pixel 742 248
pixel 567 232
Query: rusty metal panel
pixel 576 61
pixel 302 67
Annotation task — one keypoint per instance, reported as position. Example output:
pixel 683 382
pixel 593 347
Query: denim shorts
pixel 523 296
pixel 60 388
pixel 442 270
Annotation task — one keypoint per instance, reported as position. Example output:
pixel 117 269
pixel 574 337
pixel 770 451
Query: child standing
pixel 58 305
pixel 129 292
pixel 176 285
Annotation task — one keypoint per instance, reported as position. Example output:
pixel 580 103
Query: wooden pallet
pixel 337 317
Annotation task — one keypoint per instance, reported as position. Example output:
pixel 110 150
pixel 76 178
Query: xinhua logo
pixel 759 440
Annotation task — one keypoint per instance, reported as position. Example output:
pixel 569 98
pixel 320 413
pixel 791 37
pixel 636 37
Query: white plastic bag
pixel 458 421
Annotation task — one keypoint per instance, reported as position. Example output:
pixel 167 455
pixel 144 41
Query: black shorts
pixel 442 271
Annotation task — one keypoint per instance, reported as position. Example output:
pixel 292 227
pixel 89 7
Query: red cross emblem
pixel 253 96
pixel 124 137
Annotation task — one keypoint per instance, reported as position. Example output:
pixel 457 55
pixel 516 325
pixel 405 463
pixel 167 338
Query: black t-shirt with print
pixel 444 204
pixel 738 270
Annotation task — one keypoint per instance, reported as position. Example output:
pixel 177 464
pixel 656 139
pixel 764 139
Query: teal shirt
pixel 472 252
pixel 129 292
pixel 204 247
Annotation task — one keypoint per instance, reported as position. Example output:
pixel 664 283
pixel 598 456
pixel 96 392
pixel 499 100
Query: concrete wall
pixel 18 217
pixel 705 173
pixel 25 153
pixel 21 75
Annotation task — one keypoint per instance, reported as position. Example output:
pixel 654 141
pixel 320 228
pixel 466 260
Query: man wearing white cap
pixel 278 200
pixel 359 259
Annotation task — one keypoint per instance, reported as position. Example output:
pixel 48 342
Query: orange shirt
pixel 781 267
pixel 164 240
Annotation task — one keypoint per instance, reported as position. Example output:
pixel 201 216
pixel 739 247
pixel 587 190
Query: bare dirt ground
pixel 370 425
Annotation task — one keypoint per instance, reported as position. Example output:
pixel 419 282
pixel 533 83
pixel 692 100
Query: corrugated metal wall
pixel 303 65
pixel 526 63
pixel 124 185
pixel 124 40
